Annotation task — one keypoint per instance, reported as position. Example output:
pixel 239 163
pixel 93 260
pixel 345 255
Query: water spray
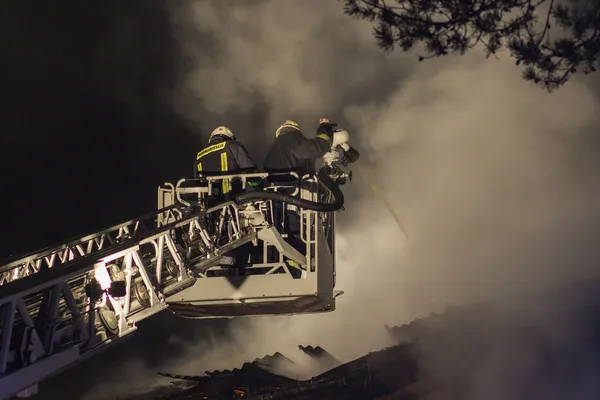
pixel 368 179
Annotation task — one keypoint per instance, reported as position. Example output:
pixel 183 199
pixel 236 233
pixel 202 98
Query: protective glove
pixel 255 183
pixel 331 157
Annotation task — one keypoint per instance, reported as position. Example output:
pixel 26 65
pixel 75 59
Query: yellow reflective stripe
pixel 323 136
pixel 293 264
pixel 199 167
pixel 211 149
pixel 224 168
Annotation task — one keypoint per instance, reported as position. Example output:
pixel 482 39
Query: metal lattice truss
pixel 55 315
pixel 62 304
pixel 65 253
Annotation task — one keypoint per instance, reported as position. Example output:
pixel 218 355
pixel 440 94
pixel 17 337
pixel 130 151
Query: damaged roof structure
pixel 480 351
pixel 373 375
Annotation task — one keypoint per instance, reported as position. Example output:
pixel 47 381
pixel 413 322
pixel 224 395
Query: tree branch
pixel 450 26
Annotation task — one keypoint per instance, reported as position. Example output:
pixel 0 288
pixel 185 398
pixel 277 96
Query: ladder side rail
pixel 44 252
pixel 218 176
pixel 76 248
pixel 83 264
pixel 48 278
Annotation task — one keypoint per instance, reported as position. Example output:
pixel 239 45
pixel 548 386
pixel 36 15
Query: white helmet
pixel 287 124
pixel 222 130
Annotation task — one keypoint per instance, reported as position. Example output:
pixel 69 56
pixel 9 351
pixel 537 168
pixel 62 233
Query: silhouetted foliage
pixel 552 39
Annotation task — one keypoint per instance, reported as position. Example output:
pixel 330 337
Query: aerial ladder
pixel 62 304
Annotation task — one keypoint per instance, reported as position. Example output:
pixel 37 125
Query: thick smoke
pixel 485 169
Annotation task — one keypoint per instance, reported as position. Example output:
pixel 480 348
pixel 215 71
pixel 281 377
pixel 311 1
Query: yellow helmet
pixel 287 124
pixel 222 130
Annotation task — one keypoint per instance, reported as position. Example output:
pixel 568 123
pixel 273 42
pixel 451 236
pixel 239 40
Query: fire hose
pixel 324 179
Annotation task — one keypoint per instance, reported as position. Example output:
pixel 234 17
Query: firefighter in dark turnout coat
pixel 293 151
pixel 224 154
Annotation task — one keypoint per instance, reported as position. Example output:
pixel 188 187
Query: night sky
pixel 87 131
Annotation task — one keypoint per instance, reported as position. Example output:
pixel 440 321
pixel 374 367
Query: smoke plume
pixel 490 175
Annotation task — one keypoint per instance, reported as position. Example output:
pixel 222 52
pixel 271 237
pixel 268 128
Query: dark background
pixel 87 135
pixel 88 132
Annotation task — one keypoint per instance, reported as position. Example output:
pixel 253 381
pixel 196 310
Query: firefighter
pixel 224 154
pixel 293 151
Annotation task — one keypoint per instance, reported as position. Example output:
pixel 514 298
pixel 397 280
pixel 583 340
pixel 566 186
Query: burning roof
pixel 475 352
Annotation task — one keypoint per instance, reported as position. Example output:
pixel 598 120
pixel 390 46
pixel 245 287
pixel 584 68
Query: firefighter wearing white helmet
pixel 293 151
pixel 224 154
